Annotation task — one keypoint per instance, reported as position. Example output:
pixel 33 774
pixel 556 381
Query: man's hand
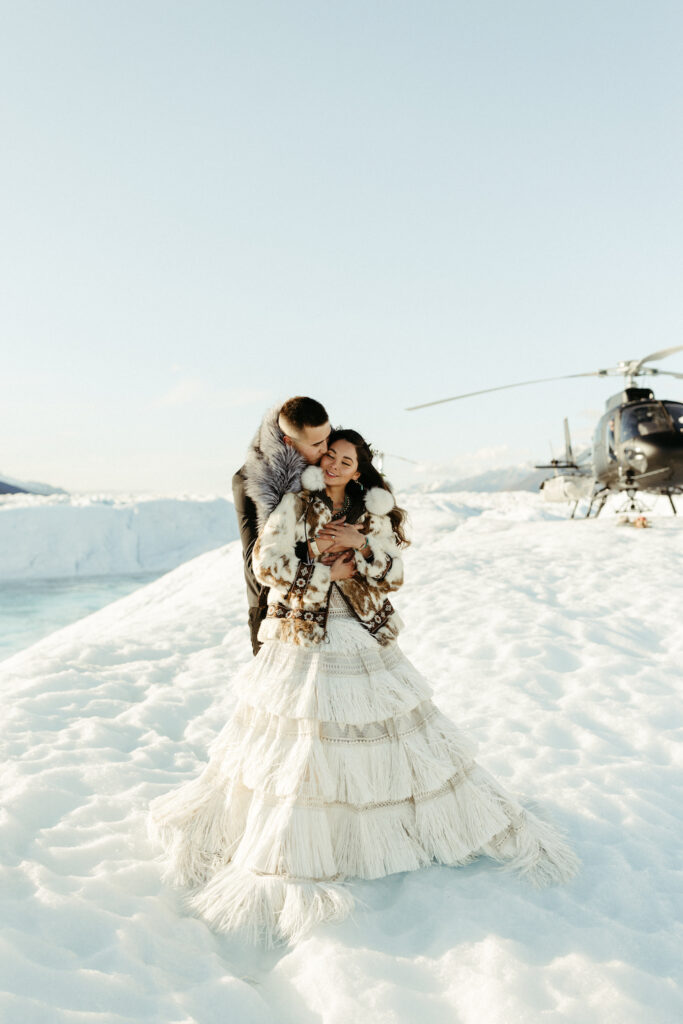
pixel 331 556
pixel 343 567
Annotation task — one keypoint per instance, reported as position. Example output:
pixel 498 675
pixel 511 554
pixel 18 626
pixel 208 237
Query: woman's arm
pixel 276 564
pixel 374 545
pixel 379 563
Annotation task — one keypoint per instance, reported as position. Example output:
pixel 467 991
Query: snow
pixel 63 535
pixel 555 644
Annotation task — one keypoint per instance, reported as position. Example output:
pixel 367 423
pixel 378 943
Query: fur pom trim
pixel 378 501
pixel 312 479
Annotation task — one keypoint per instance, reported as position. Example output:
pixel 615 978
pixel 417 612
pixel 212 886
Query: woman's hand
pixel 343 567
pixel 339 535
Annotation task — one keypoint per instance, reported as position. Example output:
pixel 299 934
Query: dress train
pixel 335 764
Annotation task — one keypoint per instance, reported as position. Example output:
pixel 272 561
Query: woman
pixel 335 763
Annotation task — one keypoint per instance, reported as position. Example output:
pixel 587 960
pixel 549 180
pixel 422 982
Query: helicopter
pixel 637 442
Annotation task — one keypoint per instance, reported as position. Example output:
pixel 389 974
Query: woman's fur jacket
pixel 300 590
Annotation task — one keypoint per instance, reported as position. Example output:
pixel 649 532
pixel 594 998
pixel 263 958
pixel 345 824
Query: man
pixel 290 438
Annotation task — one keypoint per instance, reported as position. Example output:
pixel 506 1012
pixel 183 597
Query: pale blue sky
pixel 207 207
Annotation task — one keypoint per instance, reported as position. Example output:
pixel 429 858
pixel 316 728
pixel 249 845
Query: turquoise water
pixel 31 609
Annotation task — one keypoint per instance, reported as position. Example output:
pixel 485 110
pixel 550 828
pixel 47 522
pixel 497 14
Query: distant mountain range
pixel 9 485
pixel 509 478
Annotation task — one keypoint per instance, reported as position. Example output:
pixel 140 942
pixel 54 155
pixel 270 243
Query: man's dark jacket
pixel 246 520
pixel 271 469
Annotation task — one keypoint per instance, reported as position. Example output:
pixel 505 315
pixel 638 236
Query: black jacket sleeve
pixel 246 520
pixel 257 595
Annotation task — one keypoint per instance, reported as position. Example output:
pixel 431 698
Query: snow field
pixel 555 645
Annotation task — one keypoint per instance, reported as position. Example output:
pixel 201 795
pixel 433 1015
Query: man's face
pixel 311 442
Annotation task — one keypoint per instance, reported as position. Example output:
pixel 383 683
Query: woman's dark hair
pixel 371 477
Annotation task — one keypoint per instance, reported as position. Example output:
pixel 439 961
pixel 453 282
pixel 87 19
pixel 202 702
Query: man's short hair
pixel 300 412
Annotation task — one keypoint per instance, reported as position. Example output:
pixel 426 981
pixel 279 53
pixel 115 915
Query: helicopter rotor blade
pixel 669 373
pixel 413 462
pixel 632 368
pixel 504 387
pixel 657 355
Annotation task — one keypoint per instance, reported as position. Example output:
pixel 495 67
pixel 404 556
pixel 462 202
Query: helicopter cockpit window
pixel 610 439
pixel 641 420
pixel 675 411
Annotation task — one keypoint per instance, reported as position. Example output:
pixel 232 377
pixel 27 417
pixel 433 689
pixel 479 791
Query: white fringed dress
pixel 335 764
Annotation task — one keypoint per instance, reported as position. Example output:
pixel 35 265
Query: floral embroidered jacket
pixel 300 589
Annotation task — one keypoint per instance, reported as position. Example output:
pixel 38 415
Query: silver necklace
pixel 337 513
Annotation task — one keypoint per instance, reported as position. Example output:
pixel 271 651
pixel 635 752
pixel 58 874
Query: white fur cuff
pixel 312 479
pixel 378 501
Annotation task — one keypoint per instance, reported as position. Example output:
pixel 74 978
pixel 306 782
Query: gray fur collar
pixel 272 467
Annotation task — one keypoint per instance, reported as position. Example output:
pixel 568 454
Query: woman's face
pixel 339 464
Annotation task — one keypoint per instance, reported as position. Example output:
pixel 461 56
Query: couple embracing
pixel 335 764
pixel 296 449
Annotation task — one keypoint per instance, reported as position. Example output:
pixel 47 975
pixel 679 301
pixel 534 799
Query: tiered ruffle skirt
pixel 335 764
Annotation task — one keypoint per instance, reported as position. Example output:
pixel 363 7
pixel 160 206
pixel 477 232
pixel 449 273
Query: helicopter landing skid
pixel 598 500
pixel 632 504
